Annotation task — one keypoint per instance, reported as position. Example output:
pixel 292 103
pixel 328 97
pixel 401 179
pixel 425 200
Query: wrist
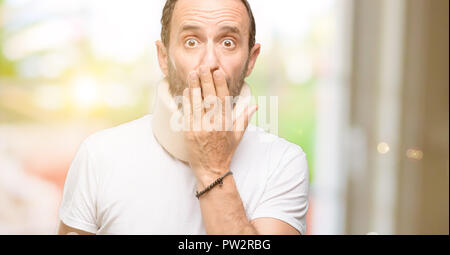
pixel 205 178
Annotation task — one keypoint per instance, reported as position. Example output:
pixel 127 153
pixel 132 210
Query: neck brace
pixel 165 106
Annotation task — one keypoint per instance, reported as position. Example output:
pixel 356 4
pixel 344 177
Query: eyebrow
pixel 230 29
pixel 189 28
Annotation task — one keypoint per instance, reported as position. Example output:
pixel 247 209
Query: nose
pixel 210 58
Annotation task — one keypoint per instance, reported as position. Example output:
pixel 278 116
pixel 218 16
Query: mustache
pixel 177 84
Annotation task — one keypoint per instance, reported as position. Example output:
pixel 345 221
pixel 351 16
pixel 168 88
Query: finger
pixel 193 80
pixel 223 98
pixel 221 84
pixel 196 100
pixel 194 85
pixel 207 82
pixel 187 113
pixel 228 113
pixel 241 123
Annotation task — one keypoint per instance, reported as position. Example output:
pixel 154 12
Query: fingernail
pixel 217 74
pixel 192 75
pixel 203 69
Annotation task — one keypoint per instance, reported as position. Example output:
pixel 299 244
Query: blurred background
pixel 362 87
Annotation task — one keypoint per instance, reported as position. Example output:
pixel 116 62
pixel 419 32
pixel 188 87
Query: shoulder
pixel 277 147
pixel 282 157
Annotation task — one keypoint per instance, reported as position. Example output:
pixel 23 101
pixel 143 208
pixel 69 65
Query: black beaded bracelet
pixel 218 181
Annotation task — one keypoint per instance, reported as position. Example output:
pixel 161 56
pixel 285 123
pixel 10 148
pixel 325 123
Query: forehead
pixel 210 12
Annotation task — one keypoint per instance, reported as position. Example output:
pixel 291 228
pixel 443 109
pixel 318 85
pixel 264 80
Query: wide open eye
pixel 229 44
pixel 191 43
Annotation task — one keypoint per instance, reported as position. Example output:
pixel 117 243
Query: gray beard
pixel 177 84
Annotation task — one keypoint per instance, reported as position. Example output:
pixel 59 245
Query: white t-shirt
pixel 123 182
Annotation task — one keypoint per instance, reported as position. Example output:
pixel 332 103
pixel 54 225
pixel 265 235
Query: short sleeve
pixel 285 196
pixel 78 205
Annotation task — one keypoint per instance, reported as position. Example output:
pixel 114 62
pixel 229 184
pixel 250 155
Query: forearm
pixel 222 208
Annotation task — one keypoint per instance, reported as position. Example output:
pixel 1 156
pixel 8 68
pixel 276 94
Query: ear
pixel 162 57
pixel 254 53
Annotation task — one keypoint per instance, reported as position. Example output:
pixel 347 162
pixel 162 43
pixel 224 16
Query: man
pixel 135 179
